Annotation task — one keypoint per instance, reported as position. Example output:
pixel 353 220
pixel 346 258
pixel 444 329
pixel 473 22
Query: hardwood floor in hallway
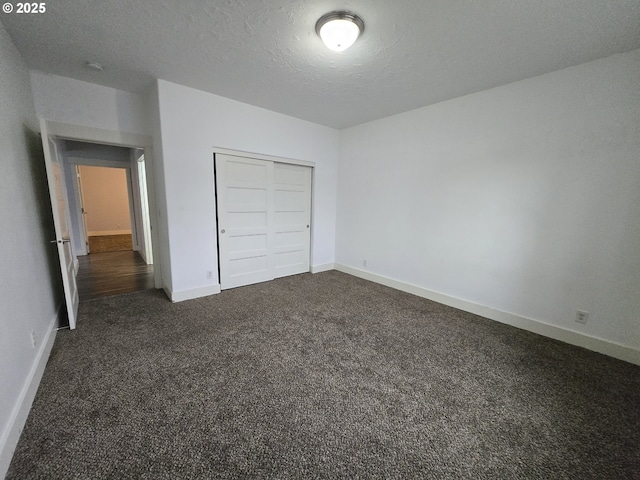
pixel 113 273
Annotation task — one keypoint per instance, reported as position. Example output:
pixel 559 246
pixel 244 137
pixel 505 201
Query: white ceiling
pixel 266 53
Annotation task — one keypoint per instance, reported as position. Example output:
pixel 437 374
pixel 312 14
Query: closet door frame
pixel 224 282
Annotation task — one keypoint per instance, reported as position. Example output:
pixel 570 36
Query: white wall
pixel 106 200
pixel 30 284
pixel 192 122
pixel 75 102
pixel 524 198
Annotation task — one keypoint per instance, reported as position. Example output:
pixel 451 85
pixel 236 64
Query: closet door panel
pixel 245 220
pixel 264 215
pixel 292 217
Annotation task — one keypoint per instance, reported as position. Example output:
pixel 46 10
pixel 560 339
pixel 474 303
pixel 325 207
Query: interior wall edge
pixel 9 438
pixel 599 345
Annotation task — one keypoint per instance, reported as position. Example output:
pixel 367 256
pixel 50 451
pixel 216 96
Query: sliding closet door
pixel 245 220
pixel 264 215
pixel 292 218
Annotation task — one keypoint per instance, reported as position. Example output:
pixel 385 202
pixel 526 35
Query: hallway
pixel 113 273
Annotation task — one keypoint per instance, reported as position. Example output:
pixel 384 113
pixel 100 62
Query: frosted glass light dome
pixel 339 30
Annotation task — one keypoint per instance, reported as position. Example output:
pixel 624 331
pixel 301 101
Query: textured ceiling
pixel 266 53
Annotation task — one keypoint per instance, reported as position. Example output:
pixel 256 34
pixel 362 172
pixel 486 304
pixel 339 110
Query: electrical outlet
pixel 209 275
pixel 365 262
pixel 33 338
pixel 582 316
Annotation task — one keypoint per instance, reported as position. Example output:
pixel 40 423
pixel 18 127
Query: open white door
pixel 55 178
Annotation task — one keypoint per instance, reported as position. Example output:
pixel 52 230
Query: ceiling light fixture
pixel 339 30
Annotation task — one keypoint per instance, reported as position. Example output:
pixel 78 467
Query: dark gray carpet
pixel 322 376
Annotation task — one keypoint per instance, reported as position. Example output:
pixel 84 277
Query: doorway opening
pixel 106 208
pixel 58 142
pixel 109 213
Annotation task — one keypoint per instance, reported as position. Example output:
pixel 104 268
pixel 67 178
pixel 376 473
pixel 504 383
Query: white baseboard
pixel 595 344
pixel 183 295
pixel 11 434
pixel 322 268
